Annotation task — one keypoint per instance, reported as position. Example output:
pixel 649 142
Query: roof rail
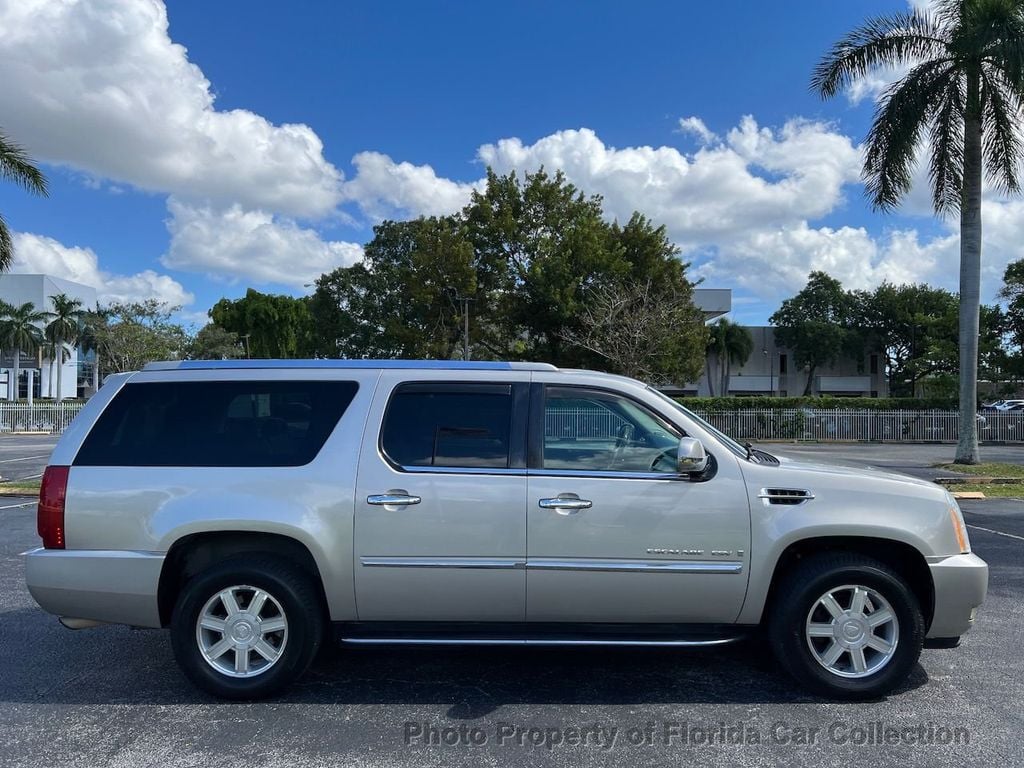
pixel 437 365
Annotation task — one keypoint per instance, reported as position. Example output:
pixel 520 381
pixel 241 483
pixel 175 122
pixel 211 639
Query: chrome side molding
pixel 554 564
pixel 537 641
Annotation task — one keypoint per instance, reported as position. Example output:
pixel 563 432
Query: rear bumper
pixel 961 582
pixel 112 586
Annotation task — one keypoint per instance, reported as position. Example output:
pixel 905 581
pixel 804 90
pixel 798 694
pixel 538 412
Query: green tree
pixel 214 343
pixel 962 100
pixel 62 329
pixel 20 332
pixel 126 336
pixel 728 343
pixel 534 257
pixel 16 167
pixel 271 326
pixel 814 324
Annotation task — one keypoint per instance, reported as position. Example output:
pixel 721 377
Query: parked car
pixel 249 506
pixel 1004 405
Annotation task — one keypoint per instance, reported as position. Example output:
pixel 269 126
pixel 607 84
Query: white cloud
pixel 694 126
pixel 714 193
pixel 383 188
pixel 235 243
pixel 99 86
pixel 40 254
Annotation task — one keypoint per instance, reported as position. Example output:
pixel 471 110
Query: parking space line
pixel 997 533
pixel 23 458
pixel 15 506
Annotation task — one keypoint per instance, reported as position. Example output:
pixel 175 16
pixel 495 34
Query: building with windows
pixel 38 369
pixel 771 370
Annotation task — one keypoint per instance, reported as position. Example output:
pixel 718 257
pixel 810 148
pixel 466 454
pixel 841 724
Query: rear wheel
pixel 846 626
pixel 247 628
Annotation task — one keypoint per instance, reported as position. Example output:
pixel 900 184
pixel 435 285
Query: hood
pixel 848 473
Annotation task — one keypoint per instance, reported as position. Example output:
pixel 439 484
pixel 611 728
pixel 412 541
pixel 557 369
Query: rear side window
pixel 216 424
pixel 444 425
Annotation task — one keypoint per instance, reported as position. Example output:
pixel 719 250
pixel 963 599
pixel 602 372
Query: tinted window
pixel 442 425
pixel 595 431
pixel 216 424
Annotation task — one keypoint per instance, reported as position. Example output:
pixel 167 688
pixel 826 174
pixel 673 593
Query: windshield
pixel 729 443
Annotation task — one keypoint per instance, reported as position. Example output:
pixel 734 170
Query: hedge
pixel 708 404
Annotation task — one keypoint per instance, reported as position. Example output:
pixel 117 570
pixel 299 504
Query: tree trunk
pixel 810 380
pixel 17 373
pixel 726 374
pixel 711 379
pixel 970 277
pixel 60 369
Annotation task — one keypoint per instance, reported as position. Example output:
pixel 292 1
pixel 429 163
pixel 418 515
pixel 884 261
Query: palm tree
pixel 16 166
pixel 64 327
pixel 19 330
pixel 961 102
pixel 730 343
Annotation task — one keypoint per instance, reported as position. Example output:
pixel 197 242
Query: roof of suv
pixel 459 365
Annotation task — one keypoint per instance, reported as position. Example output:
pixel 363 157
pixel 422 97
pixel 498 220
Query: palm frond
pixel 6 246
pixel 946 165
pixel 903 113
pixel 17 167
pixel 883 41
pixel 1003 150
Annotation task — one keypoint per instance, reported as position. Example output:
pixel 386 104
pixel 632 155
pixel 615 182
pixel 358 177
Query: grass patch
pixel 27 487
pixel 1002 490
pixel 986 470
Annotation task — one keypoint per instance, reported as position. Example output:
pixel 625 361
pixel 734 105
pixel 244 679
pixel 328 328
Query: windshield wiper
pixel 750 450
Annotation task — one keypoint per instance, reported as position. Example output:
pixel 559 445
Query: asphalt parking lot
pixel 113 697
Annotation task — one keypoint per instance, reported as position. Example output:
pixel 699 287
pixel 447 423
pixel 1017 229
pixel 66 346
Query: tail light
pixel 50 514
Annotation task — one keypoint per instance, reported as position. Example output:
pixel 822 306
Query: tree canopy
pixel 533 259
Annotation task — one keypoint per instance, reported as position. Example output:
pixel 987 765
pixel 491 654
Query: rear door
pixel 440 526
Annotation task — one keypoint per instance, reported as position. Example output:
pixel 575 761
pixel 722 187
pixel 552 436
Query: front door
pixel 440 527
pixel 614 534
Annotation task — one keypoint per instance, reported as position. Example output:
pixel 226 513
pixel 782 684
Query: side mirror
pixel 691 459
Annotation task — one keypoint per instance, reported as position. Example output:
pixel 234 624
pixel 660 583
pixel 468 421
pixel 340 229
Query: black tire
pixel 798 592
pixel 300 603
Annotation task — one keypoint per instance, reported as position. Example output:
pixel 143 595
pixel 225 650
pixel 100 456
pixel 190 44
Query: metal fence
pixel 38 417
pixel 747 424
pixel 863 424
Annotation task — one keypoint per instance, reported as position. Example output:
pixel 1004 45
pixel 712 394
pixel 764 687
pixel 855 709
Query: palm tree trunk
pixel 60 369
pixel 711 379
pixel 726 370
pixel 17 372
pixel 970 278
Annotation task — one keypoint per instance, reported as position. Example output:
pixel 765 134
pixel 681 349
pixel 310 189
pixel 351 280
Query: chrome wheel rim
pixel 242 631
pixel 852 631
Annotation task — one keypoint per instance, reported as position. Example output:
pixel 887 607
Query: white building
pixel 38 371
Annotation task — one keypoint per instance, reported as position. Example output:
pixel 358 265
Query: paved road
pixel 24 456
pixel 112 696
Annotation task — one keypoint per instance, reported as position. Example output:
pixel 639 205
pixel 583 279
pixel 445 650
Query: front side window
pixel 216 424
pixel 444 425
pixel 596 431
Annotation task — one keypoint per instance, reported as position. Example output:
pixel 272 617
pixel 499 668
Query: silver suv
pixel 251 506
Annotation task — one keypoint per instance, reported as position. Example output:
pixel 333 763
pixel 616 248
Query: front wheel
pixel 846 626
pixel 247 628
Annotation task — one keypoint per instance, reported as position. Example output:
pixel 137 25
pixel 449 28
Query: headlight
pixel 959 526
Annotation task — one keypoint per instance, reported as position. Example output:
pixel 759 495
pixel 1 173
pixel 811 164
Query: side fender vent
pixel 786 496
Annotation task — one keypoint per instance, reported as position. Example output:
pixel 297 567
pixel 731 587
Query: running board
pixel 539 641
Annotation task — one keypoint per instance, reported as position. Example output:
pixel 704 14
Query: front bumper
pixel 961 582
pixel 111 586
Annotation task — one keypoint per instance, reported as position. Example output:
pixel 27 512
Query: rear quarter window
pixel 216 424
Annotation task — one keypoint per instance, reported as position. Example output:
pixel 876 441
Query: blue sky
pixel 197 149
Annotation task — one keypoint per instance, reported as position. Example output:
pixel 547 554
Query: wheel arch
pixel 903 558
pixel 193 553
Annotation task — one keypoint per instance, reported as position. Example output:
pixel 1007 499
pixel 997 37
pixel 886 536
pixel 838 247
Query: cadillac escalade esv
pixel 254 506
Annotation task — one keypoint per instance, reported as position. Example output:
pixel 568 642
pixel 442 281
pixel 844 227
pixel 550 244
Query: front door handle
pixel 392 500
pixel 566 504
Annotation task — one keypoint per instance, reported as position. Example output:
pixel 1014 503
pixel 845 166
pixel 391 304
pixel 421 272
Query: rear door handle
pixel 392 499
pixel 566 504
